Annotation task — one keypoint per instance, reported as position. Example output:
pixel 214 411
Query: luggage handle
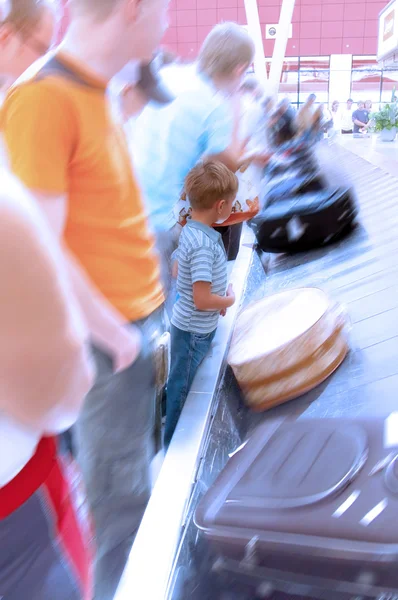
pixel 308 586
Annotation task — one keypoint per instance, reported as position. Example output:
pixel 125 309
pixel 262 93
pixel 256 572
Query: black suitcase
pixel 305 221
pixel 308 508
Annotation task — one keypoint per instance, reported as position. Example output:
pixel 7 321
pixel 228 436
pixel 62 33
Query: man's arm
pixel 106 325
pixel 45 366
pixel 224 143
pixel 357 121
pixel 40 133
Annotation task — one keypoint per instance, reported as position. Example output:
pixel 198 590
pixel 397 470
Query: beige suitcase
pixel 287 344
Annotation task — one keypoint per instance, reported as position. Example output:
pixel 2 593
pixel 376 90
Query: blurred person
pixel 65 146
pixel 45 373
pixel 336 116
pixel 252 112
pixel 27 30
pixel 346 118
pixel 134 88
pixel 369 108
pixel 327 118
pixel 306 113
pixel 360 118
pixel 292 167
pixel 201 281
pixel 252 134
pixel 203 121
pixel 251 86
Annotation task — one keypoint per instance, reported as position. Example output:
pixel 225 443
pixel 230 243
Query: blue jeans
pixel 187 352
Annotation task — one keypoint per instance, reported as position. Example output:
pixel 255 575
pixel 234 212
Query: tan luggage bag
pixel 287 344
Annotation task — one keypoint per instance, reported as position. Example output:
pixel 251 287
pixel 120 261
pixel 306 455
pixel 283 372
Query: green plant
pixel 386 117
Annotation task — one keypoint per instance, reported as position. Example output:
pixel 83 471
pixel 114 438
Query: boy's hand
pixel 231 294
pixel 223 312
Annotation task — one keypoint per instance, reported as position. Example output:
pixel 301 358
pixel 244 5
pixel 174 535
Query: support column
pixel 254 27
pixel 340 78
pixel 282 36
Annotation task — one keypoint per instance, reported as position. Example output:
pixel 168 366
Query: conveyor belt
pixel 360 271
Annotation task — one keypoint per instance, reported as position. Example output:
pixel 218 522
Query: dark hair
pixel 209 182
pixel 284 126
pixel 250 84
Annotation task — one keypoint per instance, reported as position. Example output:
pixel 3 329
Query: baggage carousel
pixel 170 560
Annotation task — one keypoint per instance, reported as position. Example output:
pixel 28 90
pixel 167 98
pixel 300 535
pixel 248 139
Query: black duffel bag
pixel 306 221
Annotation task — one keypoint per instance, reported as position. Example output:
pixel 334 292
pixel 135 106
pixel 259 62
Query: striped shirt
pixel 201 257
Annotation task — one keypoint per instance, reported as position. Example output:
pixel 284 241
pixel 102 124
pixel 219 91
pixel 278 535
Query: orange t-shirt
pixel 62 139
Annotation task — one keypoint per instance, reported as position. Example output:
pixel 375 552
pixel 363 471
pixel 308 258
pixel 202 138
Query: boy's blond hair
pixel 208 183
pixel 227 47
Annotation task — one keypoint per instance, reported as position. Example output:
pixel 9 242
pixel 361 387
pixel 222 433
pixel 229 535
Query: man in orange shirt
pixel 63 144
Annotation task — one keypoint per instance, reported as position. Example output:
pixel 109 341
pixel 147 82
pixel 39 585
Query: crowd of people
pixel 348 121
pixel 83 302
pixel 121 201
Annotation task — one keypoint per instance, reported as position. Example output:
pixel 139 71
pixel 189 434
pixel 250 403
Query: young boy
pixel 201 281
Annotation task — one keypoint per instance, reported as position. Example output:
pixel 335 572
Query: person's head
pixel 335 106
pixel 27 29
pixel 282 124
pixel 226 54
pixel 368 104
pixel 360 105
pixel 251 87
pixel 136 85
pixel 126 30
pixel 211 188
pixel 350 102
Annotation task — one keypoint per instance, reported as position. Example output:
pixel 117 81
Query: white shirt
pixel 35 320
pixel 17 446
pixel 336 116
pixel 346 120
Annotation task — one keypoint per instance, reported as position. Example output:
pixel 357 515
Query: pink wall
pixel 320 27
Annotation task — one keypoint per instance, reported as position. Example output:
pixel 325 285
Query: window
pixel 366 79
pixel 289 80
pixel 389 85
pixel 314 78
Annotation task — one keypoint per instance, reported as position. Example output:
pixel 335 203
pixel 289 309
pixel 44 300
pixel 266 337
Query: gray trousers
pixel 115 446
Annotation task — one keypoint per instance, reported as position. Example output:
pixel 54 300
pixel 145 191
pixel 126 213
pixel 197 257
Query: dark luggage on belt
pixel 308 508
pixel 305 221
